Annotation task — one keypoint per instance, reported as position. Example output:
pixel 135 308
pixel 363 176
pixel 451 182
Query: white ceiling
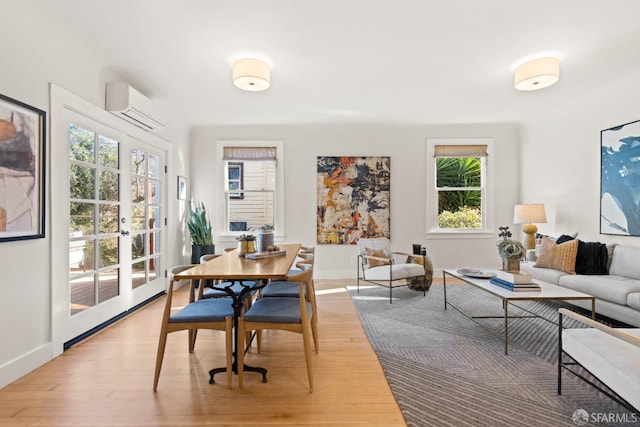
pixel 339 61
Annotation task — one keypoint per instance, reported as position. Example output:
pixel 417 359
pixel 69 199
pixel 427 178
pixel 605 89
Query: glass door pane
pixel 94 210
pixel 145 217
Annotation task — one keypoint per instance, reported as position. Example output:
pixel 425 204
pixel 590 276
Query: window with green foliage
pixel 460 186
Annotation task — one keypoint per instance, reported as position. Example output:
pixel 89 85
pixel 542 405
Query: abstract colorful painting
pixel 353 199
pixel 22 163
pixel 620 180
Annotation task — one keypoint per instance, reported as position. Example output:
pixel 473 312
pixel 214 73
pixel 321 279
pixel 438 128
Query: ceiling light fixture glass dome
pixel 251 74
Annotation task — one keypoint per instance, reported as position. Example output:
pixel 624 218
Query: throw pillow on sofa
pixel 559 256
pixel 592 257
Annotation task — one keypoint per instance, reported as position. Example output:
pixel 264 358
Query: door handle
pixel 124 233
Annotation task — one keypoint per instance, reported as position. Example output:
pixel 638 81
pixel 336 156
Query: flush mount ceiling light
pixel 251 74
pixel 537 73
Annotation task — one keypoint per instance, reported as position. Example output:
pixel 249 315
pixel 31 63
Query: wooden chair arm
pixel 384 260
pixel 604 328
pixel 405 254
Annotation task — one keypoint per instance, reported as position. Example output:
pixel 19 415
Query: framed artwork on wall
pixel 182 188
pixel 353 198
pixel 22 170
pixel 620 180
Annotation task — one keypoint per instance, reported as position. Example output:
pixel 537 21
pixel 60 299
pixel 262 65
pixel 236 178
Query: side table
pixel 421 283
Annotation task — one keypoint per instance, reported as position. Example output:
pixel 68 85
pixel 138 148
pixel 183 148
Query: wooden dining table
pixel 230 268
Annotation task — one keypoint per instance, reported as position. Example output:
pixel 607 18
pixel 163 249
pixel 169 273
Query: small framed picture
pixel 182 188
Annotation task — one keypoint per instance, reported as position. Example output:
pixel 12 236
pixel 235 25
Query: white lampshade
pixel 251 74
pixel 529 214
pixel 537 73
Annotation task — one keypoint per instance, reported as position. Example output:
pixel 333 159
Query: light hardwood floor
pixel 107 379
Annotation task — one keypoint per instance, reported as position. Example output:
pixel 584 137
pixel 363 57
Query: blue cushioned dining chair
pixel 289 289
pixel 301 258
pixel 206 289
pixel 287 314
pixel 215 314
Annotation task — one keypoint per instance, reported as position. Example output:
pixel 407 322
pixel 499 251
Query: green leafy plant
pixel 466 217
pixel 247 237
pixel 199 224
pixel 507 247
pixel 455 173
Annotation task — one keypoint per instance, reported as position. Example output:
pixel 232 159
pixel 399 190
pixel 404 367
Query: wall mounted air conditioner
pixel 132 106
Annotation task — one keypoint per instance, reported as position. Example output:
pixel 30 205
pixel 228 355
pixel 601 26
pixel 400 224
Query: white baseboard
pixel 21 366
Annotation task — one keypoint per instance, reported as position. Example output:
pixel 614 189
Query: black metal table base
pixel 238 302
pixel 247 368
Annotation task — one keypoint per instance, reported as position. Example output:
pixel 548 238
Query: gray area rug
pixel 446 370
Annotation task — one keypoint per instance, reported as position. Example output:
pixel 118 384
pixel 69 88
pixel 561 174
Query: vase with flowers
pixel 511 251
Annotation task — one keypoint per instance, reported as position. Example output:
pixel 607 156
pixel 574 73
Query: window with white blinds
pixel 250 185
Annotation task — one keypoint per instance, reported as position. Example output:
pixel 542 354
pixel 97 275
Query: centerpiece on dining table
pixel 246 244
pixel 265 240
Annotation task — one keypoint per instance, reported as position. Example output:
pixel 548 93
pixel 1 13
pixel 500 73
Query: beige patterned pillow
pixel 558 256
pixel 380 253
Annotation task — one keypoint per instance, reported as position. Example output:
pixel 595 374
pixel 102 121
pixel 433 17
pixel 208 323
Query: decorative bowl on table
pixel 476 273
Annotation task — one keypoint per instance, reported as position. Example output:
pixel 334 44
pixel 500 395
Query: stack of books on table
pixel 515 282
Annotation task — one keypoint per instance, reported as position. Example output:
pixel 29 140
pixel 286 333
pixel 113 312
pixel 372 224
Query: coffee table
pixel 548 292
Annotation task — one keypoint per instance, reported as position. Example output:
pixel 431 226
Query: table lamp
pixel 528 215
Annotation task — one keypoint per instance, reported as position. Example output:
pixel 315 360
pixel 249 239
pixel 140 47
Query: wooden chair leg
pixel 259 340
pixel 193 333
pixel 307 354
pixel 247 337
pixel 240 355
pixel 160 356
pixel 314 316
pixel 314 332
pixel 229 348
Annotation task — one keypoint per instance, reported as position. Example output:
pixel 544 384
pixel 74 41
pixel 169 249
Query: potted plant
pixel 511 251
pixel 200 231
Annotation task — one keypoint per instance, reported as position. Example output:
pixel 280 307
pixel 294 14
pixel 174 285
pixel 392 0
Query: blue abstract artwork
pixel 620 180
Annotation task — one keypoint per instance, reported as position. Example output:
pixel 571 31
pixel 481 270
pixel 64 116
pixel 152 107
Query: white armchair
pixel 609 355
pixel 376 265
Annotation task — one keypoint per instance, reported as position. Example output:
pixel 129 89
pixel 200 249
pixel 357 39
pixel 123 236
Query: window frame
pixel 487 204
pixel 221 221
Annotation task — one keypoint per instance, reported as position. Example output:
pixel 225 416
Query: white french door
pixel 115 204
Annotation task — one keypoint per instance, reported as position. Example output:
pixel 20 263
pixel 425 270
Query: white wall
pixel 407 147
pixel 561 157
pixel 30 61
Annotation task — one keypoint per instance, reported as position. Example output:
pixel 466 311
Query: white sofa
pixel 617 294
